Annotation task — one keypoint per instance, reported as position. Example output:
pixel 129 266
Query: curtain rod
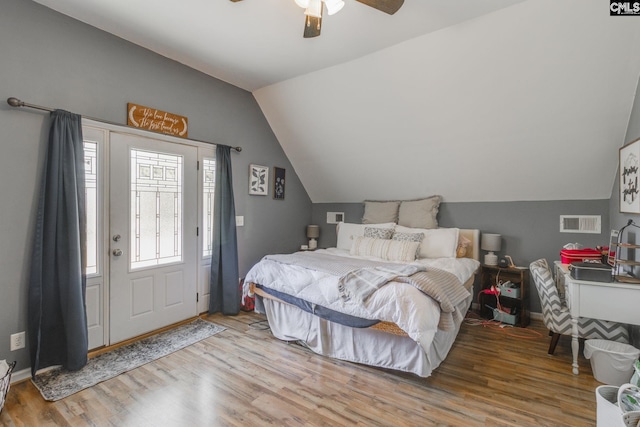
pixel 15 102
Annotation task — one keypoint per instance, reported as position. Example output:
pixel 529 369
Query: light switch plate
pixel 239 221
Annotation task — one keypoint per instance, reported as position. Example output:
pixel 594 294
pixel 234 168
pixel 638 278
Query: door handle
pixel 116 237
pixel 117 252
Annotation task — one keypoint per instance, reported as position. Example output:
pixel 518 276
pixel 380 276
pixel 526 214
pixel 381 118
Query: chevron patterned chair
pixel 557 318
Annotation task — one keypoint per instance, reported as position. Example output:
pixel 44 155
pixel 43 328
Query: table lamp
pixel 491 243
pixel 313 232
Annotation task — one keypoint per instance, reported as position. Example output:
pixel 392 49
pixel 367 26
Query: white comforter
pixel 400 303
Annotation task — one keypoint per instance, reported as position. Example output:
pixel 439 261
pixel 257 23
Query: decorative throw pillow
pixel 388 250
pixel 463 246
pixel 419 213
pixel 347 232
pixel 408 237
pixel 380 212
pixel 378 233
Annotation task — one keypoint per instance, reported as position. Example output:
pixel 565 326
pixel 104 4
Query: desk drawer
pixel 606 303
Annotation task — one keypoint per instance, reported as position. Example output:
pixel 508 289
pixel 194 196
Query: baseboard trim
pixel 21 375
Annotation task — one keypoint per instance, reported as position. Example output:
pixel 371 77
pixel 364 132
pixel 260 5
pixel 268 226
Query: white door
pixel 153 228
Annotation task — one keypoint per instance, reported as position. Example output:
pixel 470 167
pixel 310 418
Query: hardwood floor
pixel 245 377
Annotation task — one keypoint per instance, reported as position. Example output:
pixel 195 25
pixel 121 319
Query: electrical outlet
pixel 17 341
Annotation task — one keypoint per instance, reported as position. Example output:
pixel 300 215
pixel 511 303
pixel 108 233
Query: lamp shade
pixel 491 242
pixel 314 9
pixel 303 3
pixel 333 6
pixel 313 231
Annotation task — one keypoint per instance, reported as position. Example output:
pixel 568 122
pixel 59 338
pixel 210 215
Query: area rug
pixel 58 383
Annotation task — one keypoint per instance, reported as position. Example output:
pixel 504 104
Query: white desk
pixel 615 301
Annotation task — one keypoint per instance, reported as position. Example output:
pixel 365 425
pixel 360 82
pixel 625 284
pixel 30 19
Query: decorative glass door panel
pixel 208 185
pixel 91 197
pixel 156 208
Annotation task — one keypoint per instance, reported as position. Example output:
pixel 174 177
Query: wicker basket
pixel 5 383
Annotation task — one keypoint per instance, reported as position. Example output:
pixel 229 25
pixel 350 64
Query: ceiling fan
pixel 314 10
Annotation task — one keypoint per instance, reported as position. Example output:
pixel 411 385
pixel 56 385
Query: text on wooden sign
pixel 155 120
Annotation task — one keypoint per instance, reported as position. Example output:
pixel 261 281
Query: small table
pixel 614 301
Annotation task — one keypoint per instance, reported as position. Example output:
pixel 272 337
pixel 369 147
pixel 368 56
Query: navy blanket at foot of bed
pixel 320 311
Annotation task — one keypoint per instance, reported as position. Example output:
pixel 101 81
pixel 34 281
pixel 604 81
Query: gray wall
pixel 52 60
pixel 530 230
pixel 618 220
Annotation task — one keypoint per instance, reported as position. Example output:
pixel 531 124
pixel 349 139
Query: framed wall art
pixel 258 180
pixel 278 183
pixel 629 162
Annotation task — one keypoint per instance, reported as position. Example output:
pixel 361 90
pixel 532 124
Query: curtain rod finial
pixel 14 102
pixel 238 149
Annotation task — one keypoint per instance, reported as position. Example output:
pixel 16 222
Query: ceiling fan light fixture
pixel 314 9
pixel 334 6
pixel 303 3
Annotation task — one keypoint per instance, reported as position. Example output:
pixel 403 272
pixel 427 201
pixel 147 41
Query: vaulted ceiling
pixel 476 100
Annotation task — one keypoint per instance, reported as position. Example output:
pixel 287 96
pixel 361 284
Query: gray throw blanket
pixel 358 285
pixel 445 289
pixel 359 279
pixel 442 286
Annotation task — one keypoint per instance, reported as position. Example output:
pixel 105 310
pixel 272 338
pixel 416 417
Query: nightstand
pixel 516 297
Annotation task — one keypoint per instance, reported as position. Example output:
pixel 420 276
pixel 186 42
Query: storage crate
pixel 501 316
pixel 5 383
pixel 510 290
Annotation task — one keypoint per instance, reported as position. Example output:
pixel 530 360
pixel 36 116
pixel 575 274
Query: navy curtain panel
pixel 224 289
pixel 57 321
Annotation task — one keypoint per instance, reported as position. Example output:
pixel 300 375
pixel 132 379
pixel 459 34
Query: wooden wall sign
pixel 155 120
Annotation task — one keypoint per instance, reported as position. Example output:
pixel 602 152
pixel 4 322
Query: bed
pixel 366 300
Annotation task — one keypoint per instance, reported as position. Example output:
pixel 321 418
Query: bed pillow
pixel 389 250
pixel 437 242
pixel 347 232
pixel 419 213
pixel 378 233
pixel 380 212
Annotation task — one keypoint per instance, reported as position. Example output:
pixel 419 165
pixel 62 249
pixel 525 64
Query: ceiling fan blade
pixel 312 26
pixel 386 6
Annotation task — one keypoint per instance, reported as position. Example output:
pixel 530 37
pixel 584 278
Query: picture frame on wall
pixel 278 183
pixel 629 191
pixel 258 180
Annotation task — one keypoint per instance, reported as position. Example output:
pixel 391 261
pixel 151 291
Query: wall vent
pixel 580 224
pixel 335 217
